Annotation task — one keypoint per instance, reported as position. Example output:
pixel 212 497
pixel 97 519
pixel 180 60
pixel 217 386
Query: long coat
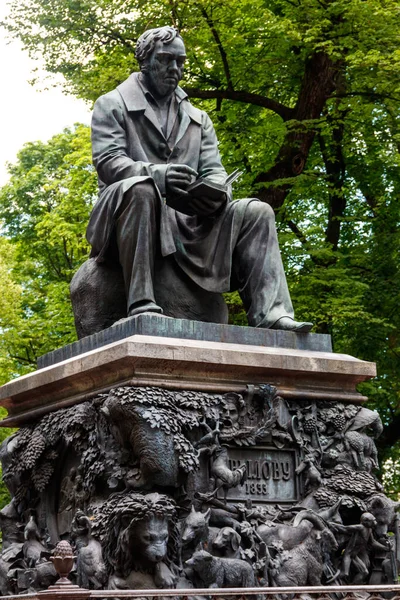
pixel 129 147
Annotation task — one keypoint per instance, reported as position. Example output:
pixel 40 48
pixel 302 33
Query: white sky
pixel 28 114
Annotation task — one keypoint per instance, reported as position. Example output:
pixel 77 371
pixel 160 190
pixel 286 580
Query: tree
pixel 44 209
pixel 291 58
pixel 10 301
pixel 305 97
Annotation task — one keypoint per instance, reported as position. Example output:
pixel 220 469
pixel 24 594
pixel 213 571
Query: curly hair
pixel 115 520
pixel 147 41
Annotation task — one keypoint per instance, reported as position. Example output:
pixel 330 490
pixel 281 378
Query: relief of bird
pixel 225 477
pixel 33 547
pixel 91 570
pixel 209 439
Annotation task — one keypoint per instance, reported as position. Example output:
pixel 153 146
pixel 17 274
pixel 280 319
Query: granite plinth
pixel 185 329
pixel 183 364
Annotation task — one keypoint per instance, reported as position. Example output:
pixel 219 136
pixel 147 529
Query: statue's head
pixel 161 55
pixel 232 410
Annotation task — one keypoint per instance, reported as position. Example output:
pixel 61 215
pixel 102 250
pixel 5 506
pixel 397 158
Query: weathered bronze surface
pixel 271 475
pixel 177 488
pixel 165 234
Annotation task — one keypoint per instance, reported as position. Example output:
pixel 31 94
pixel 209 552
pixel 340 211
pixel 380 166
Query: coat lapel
pixel 183 124
pixel 187 113
pixel 135 100
pixel 152 117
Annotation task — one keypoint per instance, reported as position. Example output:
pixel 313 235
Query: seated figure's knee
pixel 260 210
pixel 142 195
pixel 145 189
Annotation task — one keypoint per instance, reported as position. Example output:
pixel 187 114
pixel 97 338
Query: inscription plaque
pixel 271 474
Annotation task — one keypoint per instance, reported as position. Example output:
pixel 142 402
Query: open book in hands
pixel 205 188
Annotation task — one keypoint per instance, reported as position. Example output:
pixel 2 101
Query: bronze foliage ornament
pixel 158 488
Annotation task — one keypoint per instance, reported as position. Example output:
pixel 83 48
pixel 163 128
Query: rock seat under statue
pixel 174 453
pixel 99 300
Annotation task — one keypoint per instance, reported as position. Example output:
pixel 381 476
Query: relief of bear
pixel 216 572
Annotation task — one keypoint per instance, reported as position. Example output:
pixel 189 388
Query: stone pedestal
pixel 177 453
pixel 180 354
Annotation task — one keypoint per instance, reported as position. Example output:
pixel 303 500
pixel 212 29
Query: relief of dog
pixel 227 543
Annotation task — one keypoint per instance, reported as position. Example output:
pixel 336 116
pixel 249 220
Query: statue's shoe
pixel 288 324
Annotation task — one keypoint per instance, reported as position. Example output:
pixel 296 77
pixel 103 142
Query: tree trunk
pixel 317 86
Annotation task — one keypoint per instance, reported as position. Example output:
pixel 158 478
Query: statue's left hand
pixel 202 206
pixel 206 207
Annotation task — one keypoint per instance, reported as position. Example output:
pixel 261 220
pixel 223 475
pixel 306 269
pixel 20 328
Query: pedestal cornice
pixel 183 363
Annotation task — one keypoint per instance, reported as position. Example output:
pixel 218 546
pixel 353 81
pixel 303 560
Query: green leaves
pixel 44 210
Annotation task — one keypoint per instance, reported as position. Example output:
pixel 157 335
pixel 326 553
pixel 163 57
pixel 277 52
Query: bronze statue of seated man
pixel 150 148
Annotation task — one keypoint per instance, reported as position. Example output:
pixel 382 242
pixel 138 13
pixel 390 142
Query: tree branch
pixel 318 84
pixel 220 47
pixel 297 232
pixel 174 15
pixel 28 360
pixel 371 201
pixel 335 170
pixel 371 94
pixel 305 243
pixel 247 97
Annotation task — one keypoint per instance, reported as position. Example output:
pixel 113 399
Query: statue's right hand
pixel 177 180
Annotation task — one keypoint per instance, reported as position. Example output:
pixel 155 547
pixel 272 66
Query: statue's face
pixel 164 67
pixel 230 414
